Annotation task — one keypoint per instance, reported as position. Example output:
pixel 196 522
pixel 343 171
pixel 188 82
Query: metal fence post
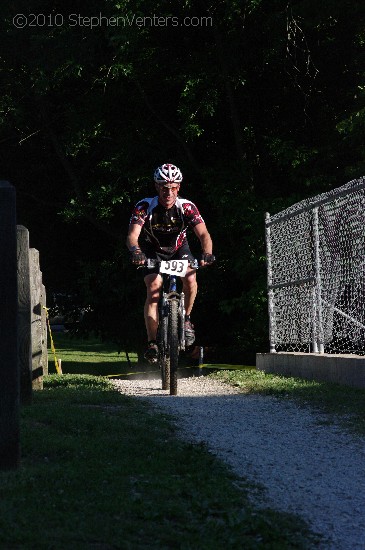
pixel 270 291
pixel 314 320
pixel 318 282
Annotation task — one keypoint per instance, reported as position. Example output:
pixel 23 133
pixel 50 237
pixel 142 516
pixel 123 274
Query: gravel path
pixel 307 466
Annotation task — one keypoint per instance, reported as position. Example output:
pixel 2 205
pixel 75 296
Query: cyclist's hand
pixel 207 259
pixel 138 258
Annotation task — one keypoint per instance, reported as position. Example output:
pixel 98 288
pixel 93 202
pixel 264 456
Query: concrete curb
pixel 348 370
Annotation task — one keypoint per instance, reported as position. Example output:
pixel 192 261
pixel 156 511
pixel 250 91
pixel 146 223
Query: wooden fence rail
pixel 32 326
pixel 24 316
pixel 23 328
pixel 37 298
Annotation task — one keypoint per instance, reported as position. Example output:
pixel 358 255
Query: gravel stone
pixel 306 465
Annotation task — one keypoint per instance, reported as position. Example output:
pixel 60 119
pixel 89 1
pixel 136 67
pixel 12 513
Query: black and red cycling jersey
pixel 165 228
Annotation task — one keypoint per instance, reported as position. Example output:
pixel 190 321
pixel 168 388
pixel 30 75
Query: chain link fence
pixel 316 273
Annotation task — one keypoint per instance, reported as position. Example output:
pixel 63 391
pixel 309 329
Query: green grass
pixel 88 356
pixel 100 470
pixel 343 403
pixel 94 357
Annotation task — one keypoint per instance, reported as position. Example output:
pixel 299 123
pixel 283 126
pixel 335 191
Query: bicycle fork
pixel 182 321
pixel 181 297
pixel 164 315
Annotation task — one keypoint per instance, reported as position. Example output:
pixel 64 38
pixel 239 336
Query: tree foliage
pixel 260 102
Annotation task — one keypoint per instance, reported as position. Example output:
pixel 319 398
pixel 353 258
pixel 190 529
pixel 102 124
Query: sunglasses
pixel 169 186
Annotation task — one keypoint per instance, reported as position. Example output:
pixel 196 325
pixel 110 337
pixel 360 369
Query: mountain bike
pixel 171 311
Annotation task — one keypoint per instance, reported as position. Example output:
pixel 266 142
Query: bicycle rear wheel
pixel 173 338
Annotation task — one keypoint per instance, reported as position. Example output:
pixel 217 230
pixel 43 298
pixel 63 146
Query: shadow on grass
pixel 108 473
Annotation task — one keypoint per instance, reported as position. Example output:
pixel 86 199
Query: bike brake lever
pixel 151 263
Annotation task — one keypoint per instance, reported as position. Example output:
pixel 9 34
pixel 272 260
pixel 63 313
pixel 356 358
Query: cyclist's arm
pixel 205 239
pixel 134 232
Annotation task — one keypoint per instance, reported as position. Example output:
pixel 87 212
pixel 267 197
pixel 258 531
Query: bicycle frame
pixel 171 331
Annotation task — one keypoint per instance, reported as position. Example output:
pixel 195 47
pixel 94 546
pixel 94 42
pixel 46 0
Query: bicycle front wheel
pixel 173 338
pixel 162 340
pixel 165 371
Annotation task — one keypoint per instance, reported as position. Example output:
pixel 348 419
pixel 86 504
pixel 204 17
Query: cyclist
pixel 157 229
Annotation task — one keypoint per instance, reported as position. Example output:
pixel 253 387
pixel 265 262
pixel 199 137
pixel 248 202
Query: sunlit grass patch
pixel 88 356
pixel 347 403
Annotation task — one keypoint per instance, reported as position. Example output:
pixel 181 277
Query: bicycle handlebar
pixel 152 262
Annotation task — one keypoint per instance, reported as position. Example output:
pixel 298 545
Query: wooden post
pixel 9 386
pixel 44 331
pixel 36 319
pixel 24 316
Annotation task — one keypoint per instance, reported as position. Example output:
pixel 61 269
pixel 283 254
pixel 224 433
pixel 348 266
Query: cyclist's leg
pixel 153 283
pixel 190 288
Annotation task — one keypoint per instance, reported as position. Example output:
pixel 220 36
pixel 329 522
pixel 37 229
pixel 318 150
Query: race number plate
pixel 174 267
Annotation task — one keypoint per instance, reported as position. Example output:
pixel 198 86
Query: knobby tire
pixel 173 339
pixel 165 371
pixel 164 356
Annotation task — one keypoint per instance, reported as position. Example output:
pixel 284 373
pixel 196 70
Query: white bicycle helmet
pixel 168 173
